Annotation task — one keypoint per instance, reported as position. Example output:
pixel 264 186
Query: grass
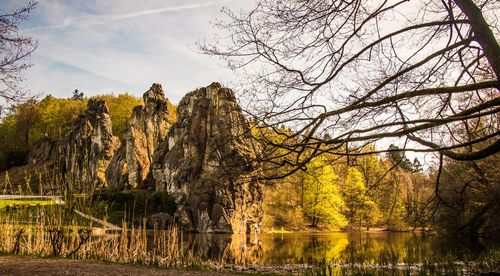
pixel 20 203
pixel 131 205
pixel 42 228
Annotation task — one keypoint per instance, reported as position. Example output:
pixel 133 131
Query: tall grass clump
pixel 63 229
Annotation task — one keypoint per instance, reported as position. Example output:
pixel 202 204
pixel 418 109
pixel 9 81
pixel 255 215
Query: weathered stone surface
pixel 88 148
pixel 208 164
pixel 42 151
pixel 148 126
pixel 117 171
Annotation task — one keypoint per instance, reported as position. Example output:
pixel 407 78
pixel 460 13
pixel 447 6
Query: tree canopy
pixel 346 74
pixel 322 199
pixel 29 121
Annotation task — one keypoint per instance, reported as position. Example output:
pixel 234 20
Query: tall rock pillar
pixel 89 147
pixel 148 126
pixel 208 163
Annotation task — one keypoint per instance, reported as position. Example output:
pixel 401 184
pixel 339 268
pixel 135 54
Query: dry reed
pixel 55 231
pixel 132 245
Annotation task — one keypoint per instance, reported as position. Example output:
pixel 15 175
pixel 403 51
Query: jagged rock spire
pixel 148 126
pixel 209 164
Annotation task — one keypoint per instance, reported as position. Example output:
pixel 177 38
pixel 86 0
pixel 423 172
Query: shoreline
pixel 326 231
pixel 36 265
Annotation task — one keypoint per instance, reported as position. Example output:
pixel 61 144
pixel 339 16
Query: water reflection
pixel 318 248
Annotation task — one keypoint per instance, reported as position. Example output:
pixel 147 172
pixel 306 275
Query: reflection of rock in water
pixel 239 249
pixel 244 250
pixel 208 246
pixel 317 249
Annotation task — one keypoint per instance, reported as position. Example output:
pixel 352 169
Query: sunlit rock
pixel 208 164
pixel 88 148
pixel 42 150
pixel 148 126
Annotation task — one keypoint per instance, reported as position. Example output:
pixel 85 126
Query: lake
pixel 381 248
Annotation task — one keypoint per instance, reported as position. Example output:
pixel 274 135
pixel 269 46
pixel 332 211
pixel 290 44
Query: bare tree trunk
pixel 484 35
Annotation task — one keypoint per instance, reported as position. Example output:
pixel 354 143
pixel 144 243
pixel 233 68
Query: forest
pixel 333 192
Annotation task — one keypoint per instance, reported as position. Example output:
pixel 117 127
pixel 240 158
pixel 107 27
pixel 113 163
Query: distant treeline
pixel 27 122
pixel 388 190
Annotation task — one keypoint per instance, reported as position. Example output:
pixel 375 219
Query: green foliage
pixel 283 210
pixel 120 109
pixel 27 122
pixel 399 157
pixel 322 199
pixel 57 116
pixel 15 203
pixel 283 198
pixel 163 202
pixel 359 205
pixel 363 191
pixel 77 95
pixel 133 205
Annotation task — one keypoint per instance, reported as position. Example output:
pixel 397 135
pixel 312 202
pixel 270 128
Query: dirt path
pixel 24 265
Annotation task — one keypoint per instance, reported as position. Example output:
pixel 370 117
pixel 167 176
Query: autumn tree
pixel 283 204
pixel 281 209
pixel 14 49
pixel 345 74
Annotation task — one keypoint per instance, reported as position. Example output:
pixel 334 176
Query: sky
pixel 116 46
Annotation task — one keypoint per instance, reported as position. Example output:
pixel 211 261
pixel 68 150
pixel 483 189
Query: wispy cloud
pixel 90 20
pixel 130 46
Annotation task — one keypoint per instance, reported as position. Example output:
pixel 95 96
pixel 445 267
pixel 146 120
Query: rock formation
pixel 42 151
pixel 208 164
pixel 117 171
pixel 205 160
pixel 88 148
pixel 148 126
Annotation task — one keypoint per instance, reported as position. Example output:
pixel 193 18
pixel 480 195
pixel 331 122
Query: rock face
pixel 206 159
pixel 117 171
pixel 207 163
pixel 43 150
pixel 148 126
pixel 88 148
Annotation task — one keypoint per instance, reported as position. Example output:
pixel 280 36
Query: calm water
pixel 340 248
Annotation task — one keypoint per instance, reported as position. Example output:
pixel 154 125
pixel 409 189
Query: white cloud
pixel 90 20
pixel 115 46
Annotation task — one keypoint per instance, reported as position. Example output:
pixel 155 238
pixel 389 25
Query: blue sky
pixel 122 46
